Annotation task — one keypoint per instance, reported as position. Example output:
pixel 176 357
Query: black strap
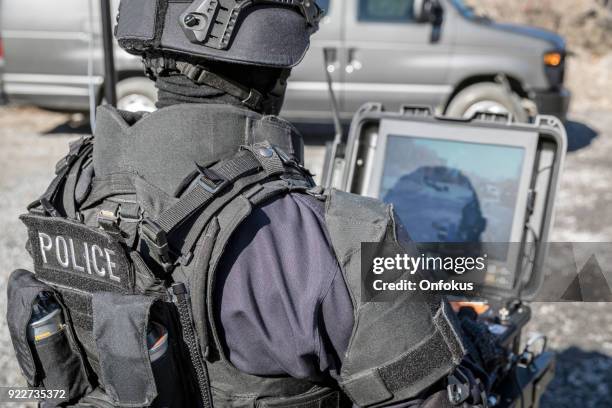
pixel 215 180
pixel 273 163
pixel 216 186
pixel 200 224
pixel 71 182
pixel 48 200
pixel 250 97
pixel 212 182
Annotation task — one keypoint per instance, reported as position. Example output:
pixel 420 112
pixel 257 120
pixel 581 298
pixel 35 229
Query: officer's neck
pixel 174 90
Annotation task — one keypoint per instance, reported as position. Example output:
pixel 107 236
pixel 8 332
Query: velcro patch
pixel 74 255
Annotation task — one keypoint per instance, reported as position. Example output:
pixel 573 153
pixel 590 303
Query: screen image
pixel 449 191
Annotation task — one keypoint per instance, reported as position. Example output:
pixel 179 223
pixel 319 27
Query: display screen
pixel 450 191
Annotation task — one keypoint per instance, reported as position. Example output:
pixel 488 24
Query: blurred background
pixel 482 55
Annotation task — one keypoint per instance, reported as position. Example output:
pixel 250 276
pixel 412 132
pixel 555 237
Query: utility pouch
pixel 136 369
pixel 120 332
pixel 53 361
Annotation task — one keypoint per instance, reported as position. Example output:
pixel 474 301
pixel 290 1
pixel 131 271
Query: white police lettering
pixel 111 265
pixel 84 258
pixel 75 265
pixel 94 257
pixel 61 249
pixel 45 245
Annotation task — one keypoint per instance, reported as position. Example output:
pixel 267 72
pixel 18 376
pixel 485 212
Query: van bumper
pixel 554 103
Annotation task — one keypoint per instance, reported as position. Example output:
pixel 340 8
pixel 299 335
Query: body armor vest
pixel 127 239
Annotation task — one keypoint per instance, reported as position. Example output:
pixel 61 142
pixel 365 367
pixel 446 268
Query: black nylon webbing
pixel 71 182
pixel 268 158
pixel 48 197
pixel 62 169
pixel 196 230
pixel 199 196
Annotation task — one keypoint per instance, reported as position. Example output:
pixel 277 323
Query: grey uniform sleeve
pixel 281 302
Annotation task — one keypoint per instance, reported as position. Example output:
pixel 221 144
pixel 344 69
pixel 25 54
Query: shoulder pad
pixel 398 347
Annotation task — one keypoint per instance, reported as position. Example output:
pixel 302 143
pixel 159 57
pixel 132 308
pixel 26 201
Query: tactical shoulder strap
pixel 213 188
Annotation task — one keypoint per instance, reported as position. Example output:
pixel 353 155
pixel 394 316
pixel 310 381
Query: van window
pixel 386 11
pixel 324 4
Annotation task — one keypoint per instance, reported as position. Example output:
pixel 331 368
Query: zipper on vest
pixel 183 305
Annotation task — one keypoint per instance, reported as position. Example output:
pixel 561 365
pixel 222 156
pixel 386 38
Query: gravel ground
pixel 31 141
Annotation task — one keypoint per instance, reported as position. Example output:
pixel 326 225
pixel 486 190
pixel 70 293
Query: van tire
pixel 485 94
pixel 136 93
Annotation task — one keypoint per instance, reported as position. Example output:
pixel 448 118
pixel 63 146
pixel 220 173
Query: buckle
pixel 108 221
pixel 253 100
pixel 211 181
pixel 156 239
pixel 458 388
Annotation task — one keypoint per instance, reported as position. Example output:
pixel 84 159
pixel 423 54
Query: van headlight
pixel 554 65
pixel 553 59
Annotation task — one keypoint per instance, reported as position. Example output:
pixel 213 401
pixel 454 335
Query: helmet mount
pixel 211 24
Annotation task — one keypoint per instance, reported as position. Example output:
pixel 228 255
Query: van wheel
pixel 136 95
pixel 486 97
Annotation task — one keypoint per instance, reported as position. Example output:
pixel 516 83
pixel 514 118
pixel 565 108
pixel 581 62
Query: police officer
pixel 208 205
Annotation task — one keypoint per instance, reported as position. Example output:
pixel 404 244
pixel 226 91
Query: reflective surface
pixel 447 191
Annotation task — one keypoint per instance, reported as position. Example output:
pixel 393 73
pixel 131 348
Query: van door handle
pixel 354 63
pixel 332 64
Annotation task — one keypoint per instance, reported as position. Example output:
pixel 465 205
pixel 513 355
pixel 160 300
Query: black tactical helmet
pixel 266 33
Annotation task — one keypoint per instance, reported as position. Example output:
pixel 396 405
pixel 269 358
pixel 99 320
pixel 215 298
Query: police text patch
pixel 75 255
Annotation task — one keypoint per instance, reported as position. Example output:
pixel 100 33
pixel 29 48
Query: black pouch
pixel 120 331
pixel 55 362
pixel 129 378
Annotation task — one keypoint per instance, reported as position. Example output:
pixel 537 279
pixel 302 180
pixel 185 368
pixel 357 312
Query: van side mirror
pixel 429 11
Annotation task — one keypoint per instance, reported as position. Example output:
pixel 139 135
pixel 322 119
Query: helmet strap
pixel 249 97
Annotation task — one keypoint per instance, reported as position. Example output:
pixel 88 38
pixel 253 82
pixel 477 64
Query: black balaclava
pixel 175 88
